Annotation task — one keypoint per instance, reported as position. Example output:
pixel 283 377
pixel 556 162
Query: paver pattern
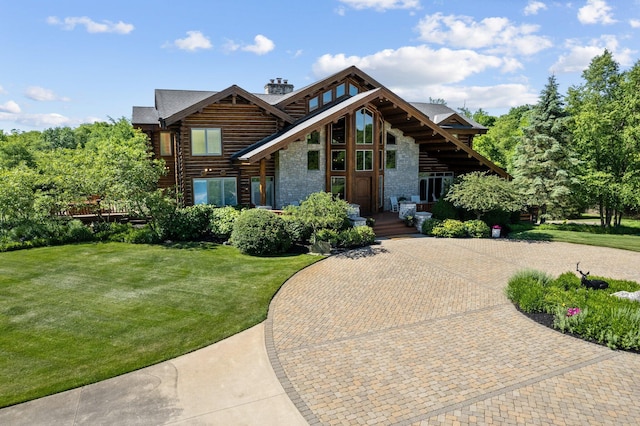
pixel 418 331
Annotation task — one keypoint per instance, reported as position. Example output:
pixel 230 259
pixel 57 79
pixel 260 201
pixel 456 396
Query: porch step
pixel 388 224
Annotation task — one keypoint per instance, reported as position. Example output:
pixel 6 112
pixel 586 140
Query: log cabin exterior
pixel 346 134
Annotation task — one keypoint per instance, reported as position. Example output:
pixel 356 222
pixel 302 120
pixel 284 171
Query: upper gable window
pixel 313 137
pixel 313 104
pixel 327 97
pixel 391 139
pixel 340 90
pixel 206 142
pixel 353 90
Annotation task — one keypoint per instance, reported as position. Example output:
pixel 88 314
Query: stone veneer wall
pixel 293 182
pixel 403 180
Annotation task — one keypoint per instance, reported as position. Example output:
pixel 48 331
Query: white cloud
pixel 534 7
pixel 262 45
pixel 579 56
pixel 635 23
pixel 382 5
pixel 69 23
pixel 413 64
pixel 501 96
pixel 10 107
pixel 594 12
pixel 41 94
pixel 497 35
pixel 195 40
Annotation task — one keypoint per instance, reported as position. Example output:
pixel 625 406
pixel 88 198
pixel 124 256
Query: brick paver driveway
pixel 418 331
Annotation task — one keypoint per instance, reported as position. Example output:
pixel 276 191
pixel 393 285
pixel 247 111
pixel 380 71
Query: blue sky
pixel 67 62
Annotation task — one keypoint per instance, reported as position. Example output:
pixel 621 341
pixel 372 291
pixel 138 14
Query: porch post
pixel 263 182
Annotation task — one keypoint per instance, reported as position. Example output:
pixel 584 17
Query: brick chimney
pixel 278 86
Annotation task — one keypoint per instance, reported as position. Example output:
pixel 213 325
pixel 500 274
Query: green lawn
pixel 77 314
pixel 587 231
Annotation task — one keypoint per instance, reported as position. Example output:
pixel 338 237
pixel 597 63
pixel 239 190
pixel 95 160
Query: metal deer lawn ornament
pixel 594 284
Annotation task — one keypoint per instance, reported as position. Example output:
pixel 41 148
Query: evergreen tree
pixel 543 161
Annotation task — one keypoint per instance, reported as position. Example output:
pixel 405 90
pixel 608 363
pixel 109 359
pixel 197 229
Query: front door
pixel 363 194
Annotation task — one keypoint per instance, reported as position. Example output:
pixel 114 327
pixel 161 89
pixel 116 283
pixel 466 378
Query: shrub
pixel 296 228
pixel 358 236
pixel 321 210
pixel 526 289
pixel 221 222
pixel 429 224
pixel 77 232
pixel 477 229
pixel 450 228
pixel 190 223
pixel 260 232
pixel 144 235
pixel 444 209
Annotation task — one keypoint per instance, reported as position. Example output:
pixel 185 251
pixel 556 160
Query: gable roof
pixel 401 114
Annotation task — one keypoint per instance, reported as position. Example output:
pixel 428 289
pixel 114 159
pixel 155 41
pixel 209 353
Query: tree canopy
pixel 480 193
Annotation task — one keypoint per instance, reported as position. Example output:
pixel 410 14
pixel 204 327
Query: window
pixel 340 90
pixel 313 160
pixel 313 104
pixel 391 140
pixel 206 142
pixel 327 97
pixel 391 160
pixel 338 132
pixel 217 191
pixel 433 186
pixel 338 159
pixel 338 185
pixel 313 138
pixel 165 144
pixel 364 126
pixel 255 191
pixel 364 160
pixel 353 90
pixel 380 160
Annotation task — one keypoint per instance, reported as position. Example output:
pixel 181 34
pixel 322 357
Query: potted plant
pixel 495 231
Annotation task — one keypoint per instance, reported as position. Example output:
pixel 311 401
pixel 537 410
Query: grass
pixel 77 314
pixel 583 231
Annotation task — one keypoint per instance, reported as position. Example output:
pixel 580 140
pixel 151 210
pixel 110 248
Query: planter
pixel 495 232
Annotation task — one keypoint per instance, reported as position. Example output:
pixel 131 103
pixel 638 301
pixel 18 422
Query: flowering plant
pixel 496 227
pixel 573 311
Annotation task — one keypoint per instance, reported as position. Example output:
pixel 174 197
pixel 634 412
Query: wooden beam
pixel 263 182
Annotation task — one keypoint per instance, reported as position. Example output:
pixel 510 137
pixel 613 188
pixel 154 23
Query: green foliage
pixel 358 236
pixel 593 315
pixel 544 164
pixel 321 210
pixel 480 193
pixel 444 209
pixel 477 229
pixel 605 126
pixel 222 220
pixel 260 232
pixel 429 224
pixel 144 235
pixel 450 228
pixel 499 143
pixel 526 290
pixel 191 223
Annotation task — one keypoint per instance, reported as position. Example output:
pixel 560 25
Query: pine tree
pixel 543 161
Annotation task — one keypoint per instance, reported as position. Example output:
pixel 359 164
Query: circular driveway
pixel 418 331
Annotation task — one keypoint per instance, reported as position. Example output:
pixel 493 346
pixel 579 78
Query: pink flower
pixel 573 311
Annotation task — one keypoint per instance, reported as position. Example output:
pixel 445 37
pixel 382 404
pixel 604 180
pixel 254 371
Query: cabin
pixel 346 134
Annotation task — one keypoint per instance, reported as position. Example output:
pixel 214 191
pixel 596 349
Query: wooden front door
pixel 363 195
